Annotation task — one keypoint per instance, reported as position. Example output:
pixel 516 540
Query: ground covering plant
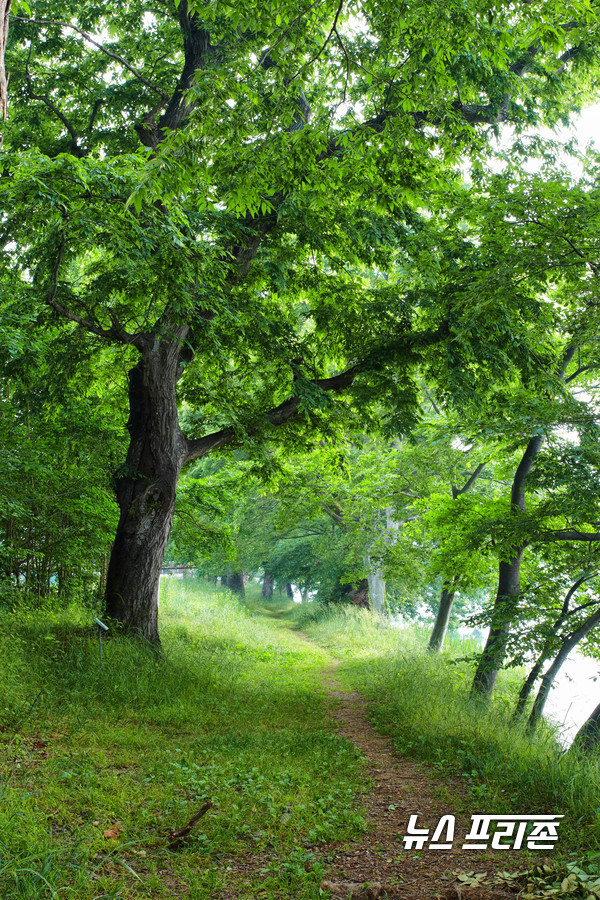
pixel 99 765
pixel 422 702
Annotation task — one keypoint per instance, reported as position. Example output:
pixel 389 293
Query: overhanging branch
pixel 456 492
pixel 116 333
pixel 285 411
pixel 97 44
pixel 276 416
pixel 569 534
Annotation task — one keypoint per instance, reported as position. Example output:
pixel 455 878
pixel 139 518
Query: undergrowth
pixel 422 702
pixel 99 764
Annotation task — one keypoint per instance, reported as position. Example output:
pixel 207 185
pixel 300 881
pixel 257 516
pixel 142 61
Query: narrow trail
pixel 400 787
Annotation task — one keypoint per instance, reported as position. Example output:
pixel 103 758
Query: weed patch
pixel 422 702
pixel 98 765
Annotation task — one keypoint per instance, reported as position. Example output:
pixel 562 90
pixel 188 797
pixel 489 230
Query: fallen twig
pixel 176 837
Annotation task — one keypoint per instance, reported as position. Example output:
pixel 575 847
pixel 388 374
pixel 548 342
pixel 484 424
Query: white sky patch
pixel 149 21
pixel 575 695
pixel 587 127
pixel 459 444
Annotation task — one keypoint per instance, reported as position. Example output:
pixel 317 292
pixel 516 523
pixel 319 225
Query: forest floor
pixel 260 726
pixel 400 787
pixel 377 864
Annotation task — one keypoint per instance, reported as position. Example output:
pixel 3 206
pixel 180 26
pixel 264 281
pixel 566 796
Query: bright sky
pixel 588 126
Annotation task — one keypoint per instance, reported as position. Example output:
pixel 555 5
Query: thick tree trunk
pixel 492 657
pixel 267 586
pixel 146 489
pixel 440 627
pixel 236 584
pixel 509 583
pixel 376 585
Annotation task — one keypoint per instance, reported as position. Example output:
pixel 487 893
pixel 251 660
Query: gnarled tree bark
pixel 146 487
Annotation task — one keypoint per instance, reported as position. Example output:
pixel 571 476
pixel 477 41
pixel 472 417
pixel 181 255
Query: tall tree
pixel 557 247
pixel 449 586
pixel 509 582
pixel 281 151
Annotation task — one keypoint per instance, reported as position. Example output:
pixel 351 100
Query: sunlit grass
pixel 231 710
pixel 422 702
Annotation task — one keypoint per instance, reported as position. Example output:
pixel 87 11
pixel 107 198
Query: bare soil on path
pixel 376 865
pixel 398 788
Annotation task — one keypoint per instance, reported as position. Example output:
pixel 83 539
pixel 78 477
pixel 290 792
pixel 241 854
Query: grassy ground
pixel 423 703
pixel 97 766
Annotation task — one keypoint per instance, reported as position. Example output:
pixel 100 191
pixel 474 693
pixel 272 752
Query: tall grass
pixel 231 710
pixel 422 701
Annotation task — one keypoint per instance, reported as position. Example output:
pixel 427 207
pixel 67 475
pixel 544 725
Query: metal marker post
pixel 101 627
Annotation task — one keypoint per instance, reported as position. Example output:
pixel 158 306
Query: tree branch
pixel 281 414
pixel 326 41
pixel 287 30
pixel 581 369
pixel 43 98
pixel 197 50
pixel 569 534
pixel 565 607
pixel 494 113
pixel 116 333
pixel 97 44
pixel 517 494
pixel 456 492
pixel 566 58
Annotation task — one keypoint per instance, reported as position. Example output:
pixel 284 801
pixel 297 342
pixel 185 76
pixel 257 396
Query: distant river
pixel 575 695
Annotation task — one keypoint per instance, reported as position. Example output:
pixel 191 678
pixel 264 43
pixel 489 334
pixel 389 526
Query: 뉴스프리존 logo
pixel 498 832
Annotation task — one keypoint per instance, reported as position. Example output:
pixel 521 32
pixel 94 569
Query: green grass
pixel 422 702
pixel 232 711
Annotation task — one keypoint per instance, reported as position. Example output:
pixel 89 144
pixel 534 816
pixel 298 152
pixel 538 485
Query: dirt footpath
pixel 400 788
